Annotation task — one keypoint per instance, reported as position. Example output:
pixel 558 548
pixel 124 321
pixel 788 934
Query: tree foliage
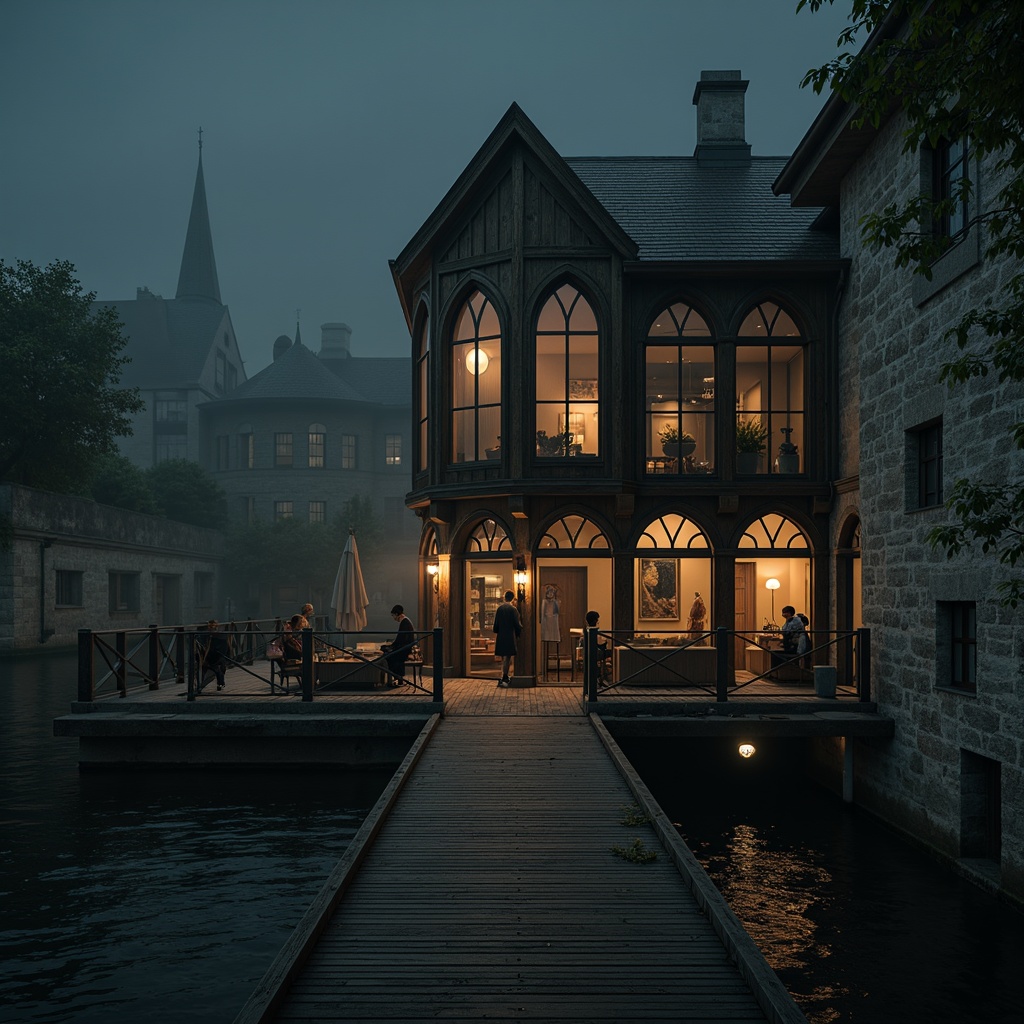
pixel 187 493
pixel 62 406
pixel 954 68
pixel 117 481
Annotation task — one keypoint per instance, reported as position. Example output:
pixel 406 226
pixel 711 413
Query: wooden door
pixel 570 583
pixel 745 609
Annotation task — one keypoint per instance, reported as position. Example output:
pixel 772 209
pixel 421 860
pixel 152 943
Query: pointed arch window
pixel 567 348
pixel 574 532
pixel 476 380
pixel 423 408
pixel 488 535
pixel 674 531
pixel 774 531
pixel 680 372
pixel 770 387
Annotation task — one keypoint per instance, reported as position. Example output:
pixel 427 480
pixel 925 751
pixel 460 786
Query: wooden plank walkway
pixel 490 891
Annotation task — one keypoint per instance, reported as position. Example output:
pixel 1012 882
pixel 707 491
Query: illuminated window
pixel 567 376
pixel 283 449
pixel 283 509
pixel 317 443
pixel 476 381
pixel 317 511
pixel 348 451
pixel 769 393
pixel 392 449
pixel 679 373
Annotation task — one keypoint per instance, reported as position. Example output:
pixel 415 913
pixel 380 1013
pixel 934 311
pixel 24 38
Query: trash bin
pixel 824 680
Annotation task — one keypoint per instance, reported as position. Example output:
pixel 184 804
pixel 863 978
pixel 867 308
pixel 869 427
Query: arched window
pixel 680 393
pixel 567 376
pixel 673 575
pixel 673 531
pixel 773 531
pixel 769 392
pixel 422 377
pixel 476 381
pixel 317 436
pixel 488 536
pixel 574 532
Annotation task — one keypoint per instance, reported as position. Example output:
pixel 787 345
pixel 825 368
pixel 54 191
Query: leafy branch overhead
pixel 954 70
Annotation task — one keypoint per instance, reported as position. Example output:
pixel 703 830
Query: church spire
pixel 298 338
pixel 197 278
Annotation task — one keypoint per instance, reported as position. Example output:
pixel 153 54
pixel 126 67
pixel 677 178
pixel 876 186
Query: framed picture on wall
pixel 582 390
pixel 659 588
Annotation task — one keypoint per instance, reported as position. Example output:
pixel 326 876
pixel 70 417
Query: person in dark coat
pixel 215 652
pixel 398 650
pixel 507 628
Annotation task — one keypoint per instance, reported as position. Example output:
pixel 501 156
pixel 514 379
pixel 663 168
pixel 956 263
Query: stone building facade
pixel 947 658
pixel 74 564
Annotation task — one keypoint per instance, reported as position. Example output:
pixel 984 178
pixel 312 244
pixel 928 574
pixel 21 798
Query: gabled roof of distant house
pixel 677 208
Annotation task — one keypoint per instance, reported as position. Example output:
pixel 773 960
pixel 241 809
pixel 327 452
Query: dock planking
pixel 491 892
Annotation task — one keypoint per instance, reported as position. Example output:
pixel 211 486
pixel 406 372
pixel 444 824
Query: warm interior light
pixel 476 361
pixel 772 584
pixel 747 750
pixel 520 577
pixel 432 568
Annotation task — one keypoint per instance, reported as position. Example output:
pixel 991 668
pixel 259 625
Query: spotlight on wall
pixel 520 577
pixel 747 749
pixel 432 569
pixel 476 361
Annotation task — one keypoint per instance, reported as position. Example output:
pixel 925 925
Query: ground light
pixel 747 749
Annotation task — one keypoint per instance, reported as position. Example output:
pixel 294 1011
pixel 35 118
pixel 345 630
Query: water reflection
pixel 859 925
pixel 149 895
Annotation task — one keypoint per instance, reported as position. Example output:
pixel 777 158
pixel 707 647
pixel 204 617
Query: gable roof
pixel 677 209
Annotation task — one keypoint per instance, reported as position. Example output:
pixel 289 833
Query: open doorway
pixel 486 583
pixel 569 586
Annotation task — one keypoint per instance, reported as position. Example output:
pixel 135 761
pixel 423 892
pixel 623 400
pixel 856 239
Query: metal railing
pixel 117 663
pixel 666 663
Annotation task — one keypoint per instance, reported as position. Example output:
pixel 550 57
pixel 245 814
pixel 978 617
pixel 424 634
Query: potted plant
pixel 674 443
pixel 751 441
pixel 556 444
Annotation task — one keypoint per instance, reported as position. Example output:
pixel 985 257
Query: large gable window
pixel 680 393
pixel 476 381
pixel 567 376
pixel 769 393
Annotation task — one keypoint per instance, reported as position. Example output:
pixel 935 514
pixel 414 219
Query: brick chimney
pixel 721 140
pixel 334 341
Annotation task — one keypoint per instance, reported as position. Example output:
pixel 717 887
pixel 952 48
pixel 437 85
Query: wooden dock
pixel 484 886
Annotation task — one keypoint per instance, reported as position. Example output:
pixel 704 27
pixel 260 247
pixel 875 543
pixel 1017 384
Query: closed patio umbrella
pixel 349 599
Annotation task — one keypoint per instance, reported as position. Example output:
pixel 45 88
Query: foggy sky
pixel 332 128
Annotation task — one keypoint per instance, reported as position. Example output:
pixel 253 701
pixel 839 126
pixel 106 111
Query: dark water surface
pixel 861 926
pixel 148 896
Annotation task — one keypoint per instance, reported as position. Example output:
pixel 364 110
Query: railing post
pixel 121 647
pixel 438 652
pixel 189 660
pixel 154 656
pixel 590 670
pixel 307 664
pixel 722 663
pixel 86 675
pixel 864 664
pixel 179 655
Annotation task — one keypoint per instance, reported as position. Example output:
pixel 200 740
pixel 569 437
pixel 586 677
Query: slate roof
pixel 169 339
pixel 676 209
pixel 299 373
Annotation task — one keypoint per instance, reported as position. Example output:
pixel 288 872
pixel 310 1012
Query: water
pixel 156 896
pixel 861 926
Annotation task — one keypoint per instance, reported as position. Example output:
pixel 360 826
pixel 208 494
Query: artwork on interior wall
pixel 582 390
pixel 659 588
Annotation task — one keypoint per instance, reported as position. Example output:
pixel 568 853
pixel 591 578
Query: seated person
pixel 794 639
pixel 216 652
pixel 398 651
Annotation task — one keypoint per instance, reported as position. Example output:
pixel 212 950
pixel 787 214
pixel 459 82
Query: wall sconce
pixel 747 749
pixel 476 361
pixel 773 584
pixel 520 577
pixel 432 570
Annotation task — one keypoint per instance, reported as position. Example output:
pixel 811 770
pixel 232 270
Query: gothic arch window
pixel 774 531
pixel 488 536
pixel 679 410
pixel 674 531
pixel 574 533
pixel 422 393
pixel 770 392
pixel 672 574
pixel 567 349
pixel 476 380
pixel 317 441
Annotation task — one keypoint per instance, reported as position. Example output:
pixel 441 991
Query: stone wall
pixel 892 328
pixel 55 533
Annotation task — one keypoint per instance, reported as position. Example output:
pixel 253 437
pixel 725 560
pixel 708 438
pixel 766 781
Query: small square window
pixel 283 510
pixel 123 590
pixel 69 588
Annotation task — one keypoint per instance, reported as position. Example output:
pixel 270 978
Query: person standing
pixel 507 628
pixel 398 651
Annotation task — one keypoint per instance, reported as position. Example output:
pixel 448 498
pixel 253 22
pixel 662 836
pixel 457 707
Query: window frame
pixel 66 580
pixel 284 449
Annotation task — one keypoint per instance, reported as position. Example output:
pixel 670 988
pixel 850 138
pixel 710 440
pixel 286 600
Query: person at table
pixel 398 650
pixel 507 629
pixel 291 638
pixel 792 636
